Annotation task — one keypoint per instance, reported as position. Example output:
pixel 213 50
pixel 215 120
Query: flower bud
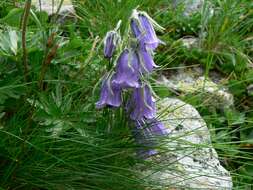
pixel 111 41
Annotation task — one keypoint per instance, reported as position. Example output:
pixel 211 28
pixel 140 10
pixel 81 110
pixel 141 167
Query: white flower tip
pixel 134 13
pixel 118 25
pixel 162 42
pixel 153 22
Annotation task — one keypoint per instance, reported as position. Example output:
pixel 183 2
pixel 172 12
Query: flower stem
pixel 50 54
pixel 24 25
pixel 57 11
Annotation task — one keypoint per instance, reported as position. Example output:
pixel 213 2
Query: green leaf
pixel 246 135
pixel 248 169
pixel 162 92
pixel 237 87
pixel 234 117
pixel 13 18
pixel 9 43
pixel 13 41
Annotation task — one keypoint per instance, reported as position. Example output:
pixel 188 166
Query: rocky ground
pixel 51 6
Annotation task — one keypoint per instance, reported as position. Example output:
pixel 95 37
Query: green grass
pixel 224 47
pixel 51 135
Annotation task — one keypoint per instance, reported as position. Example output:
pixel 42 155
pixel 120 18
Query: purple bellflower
pixel 127 74
pixel 110 94
pixel 150 128
pixel 144 140
pixel 132 65
pixel 145 133
pixel 143 29
pixel 155 127
pixel 141 104
pixel 147 63
pixel 111 41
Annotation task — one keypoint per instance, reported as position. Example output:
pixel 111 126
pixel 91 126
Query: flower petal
pixel 127 70
pixel 110 95
pixel 141 104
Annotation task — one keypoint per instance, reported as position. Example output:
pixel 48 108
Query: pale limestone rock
pixel 191 6
pixel 190 42
pixel 188 160
pixel 193 81
pixel 195 6
pixel 50 8
pixel 250 89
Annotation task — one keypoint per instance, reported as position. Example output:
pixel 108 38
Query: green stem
pixel 88 59
pixel 59 7
pixel 42 76
pixel 57 11
pixel 52 9
pixel 24 25
pixel 40 5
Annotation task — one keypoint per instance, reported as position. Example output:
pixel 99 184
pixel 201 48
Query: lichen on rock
pixel 188 159
pixel 51 8
pixel 193 81
pixel 190 6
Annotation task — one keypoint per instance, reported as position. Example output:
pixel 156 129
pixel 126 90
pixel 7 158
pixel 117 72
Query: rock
pixel 190 6
pixel 193 6
pixel 190 42
pixel 250 90
pixel 192 81
pixel 188 161
pixel 47 5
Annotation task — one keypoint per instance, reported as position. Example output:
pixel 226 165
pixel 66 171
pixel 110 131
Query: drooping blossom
pixel 146 145
pixel 132 65
pixel 151 128
pixel 141 104
pixel 145 133
pixel 143 29
pixel 111 40
pixel 110 94
pixel 127 74
pixel 147 63
pixel 156 127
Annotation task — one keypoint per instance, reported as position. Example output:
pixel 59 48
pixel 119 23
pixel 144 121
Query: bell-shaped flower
pixel 111 41
pixel 147 63
pixel 156 127
pixel 127 70
pixel 145 142
pixel 110 94
pixel 145 133
pixel 150 128
pixel 142 26
pixel 141 104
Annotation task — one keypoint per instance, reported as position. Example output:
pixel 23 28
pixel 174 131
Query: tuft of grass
pixel 51 136
pixel 223 46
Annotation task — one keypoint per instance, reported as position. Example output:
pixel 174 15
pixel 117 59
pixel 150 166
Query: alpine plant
pixel 133 64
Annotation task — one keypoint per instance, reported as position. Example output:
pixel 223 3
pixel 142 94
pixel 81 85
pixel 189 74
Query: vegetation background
pixel 51 135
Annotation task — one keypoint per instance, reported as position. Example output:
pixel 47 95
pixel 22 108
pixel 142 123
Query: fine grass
pixel 51 135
